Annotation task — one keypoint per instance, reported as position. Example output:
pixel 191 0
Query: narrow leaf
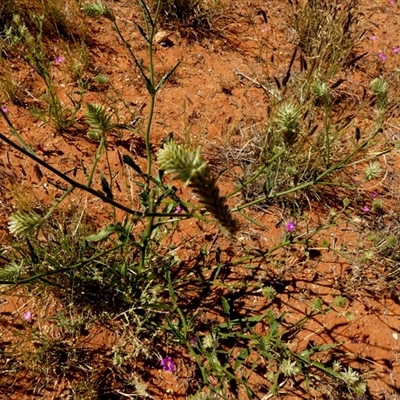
pixel 242 357
pixel 128 161
pixel 166 77
pixel 106 188
pixel 104 234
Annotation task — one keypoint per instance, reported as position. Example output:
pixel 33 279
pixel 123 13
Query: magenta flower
pixel 291 226
pixel 5 110
pixel 27 316
pixel 381 56
pixel 396 49
pixel 366 209
pixel 178 209
pixel 193 340
pixel 59 60
pixel 264 28
pixel 374 195
pixel 167 363
pixel 373 38
pixel 392 2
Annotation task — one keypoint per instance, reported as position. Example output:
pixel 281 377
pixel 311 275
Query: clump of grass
pixel 328 33
pixel 52 110
pixel 194 19
pixel 60 19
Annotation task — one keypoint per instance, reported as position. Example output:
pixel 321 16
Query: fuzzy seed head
pixel 99 122
pixel 189 167
pixel 379 87
pixel 24 224
pixel 183 164
pixel 98 9
pixel 288 120
pixel 289 368
pixel 320 89
pixel 373 170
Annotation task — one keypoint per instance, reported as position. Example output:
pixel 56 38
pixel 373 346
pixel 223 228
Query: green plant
pixel 192 18
pixel 328 32
pixel 232 366
pixel 60 20
pixel 56 114
pixel 133 273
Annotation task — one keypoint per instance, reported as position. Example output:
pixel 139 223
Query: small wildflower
pixel 381 56
pixel 193 340
pixel 291 226
pixel 27 316
pixel 59 60
pixel 374 195
pixel 264 28
pixel 373 38
pixel 366 209
pixel 392 2
pixel 167 363
pixel 178 209
pixel 396 49
pixel 5 110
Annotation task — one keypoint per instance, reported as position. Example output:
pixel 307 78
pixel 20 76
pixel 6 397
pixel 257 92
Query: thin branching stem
pixel 66 178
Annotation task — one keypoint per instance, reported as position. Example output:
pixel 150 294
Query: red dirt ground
pixel 208 102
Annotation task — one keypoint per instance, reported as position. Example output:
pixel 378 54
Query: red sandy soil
pixel 207 102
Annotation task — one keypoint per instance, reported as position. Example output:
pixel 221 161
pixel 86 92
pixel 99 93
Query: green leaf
pixel 225 306
pixel 98 120
pixel 242 357
pixel 165 78
pixel 104 234
pixel 128 161
pixel 316 349
pixel 34 257
pixel 106 187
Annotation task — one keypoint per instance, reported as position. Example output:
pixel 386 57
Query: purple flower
pixel 27 316
pixel 59 60
pixel 5 110
pixel 381 56
pixel 396 49
pixel 374 195
pixel 392 2
pixel 373 38
pixel 178 209
pixel 193 340
pixel 291 226
pixel 167 363
pixel 366 209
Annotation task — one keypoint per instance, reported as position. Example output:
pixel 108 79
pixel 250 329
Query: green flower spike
pixel 189 167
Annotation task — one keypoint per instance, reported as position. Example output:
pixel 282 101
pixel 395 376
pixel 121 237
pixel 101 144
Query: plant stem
pixel 96 159
pixel 58 202
pixel 341 164
pixel 66 178
pixel 256 175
